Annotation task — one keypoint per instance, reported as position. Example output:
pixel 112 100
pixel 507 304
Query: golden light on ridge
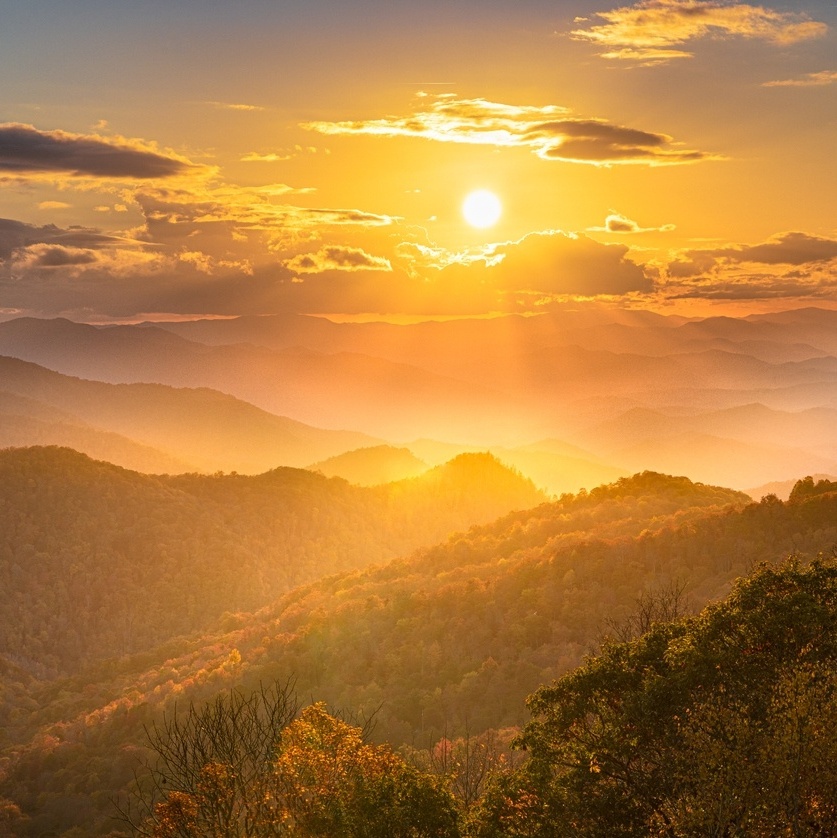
pixel 482 208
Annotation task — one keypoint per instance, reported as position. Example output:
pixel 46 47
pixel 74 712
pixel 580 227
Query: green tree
pixel 720 724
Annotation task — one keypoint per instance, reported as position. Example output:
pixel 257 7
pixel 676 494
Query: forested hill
pixel 97 561
pixel 461 631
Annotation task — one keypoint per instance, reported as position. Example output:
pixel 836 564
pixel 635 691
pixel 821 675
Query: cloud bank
pixel 792 264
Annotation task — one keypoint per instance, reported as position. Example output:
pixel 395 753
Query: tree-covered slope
pixel 97 561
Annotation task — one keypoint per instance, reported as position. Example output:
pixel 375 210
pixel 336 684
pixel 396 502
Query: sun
pixel 482 208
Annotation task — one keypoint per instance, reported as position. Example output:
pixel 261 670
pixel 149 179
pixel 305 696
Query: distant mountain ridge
pixel 502 382
pixel 196 428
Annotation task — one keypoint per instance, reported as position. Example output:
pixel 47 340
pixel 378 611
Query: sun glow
pixel 482 208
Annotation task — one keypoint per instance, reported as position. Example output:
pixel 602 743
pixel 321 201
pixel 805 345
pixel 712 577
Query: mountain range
pixel 737 401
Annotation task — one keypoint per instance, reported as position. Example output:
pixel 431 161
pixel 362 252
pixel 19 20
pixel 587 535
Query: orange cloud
pixel 551 132
pixel 786 265
pixel 653 31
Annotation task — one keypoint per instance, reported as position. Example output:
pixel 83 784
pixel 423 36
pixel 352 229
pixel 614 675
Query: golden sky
pixel 164 159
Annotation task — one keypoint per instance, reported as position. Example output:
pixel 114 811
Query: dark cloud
pixel 594 140
pixel 52 256
pixel 338 258
pixel 596 130
pixel 26 150
pixel 757 271
pixel 786 249
pixel 17 234
pixel 619 224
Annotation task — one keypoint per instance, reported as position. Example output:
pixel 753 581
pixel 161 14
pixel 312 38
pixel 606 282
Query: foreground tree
pixel 717 725
pixel 213 772
pixel 334 784
pixel 253 767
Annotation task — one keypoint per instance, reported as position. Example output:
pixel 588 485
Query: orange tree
pixel 332 783
pixel 248 767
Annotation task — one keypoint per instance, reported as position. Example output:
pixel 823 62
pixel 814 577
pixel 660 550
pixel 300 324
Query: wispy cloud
pixel 53 205
pixel 820 79
pixel 551 132
pixel 26 150
pixel 254 157
pixel 234 106
pixel 18 234
pixel 181 212
pixel 654 31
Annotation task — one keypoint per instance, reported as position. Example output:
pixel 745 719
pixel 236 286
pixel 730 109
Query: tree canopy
pixel 719 724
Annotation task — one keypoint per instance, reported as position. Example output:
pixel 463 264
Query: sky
pixel 198 158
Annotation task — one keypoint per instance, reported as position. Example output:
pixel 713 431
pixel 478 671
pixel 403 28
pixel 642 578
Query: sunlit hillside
pixel 372 466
